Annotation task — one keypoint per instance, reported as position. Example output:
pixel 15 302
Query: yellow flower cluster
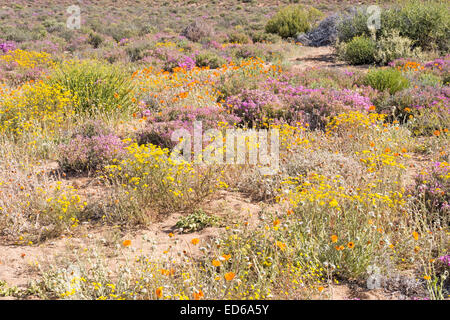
pixel 28 59
pixel 330 192
pixel 34 107
pixel 354 119
pixel 151 176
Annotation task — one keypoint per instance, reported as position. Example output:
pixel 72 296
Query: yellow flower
pixel 333 203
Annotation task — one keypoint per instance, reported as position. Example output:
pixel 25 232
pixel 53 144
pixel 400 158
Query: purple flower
pixel 7 46
pixel 445 259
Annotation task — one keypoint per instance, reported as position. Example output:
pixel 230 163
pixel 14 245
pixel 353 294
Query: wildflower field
pixel 94 205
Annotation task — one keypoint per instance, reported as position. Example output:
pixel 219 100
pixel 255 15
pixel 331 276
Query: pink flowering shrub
pixel 254 107
pixel 87 154
pixel 161 125
pixel 432 189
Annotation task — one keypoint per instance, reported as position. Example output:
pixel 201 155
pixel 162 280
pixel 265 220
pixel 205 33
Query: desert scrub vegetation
pixel 150 176
pixel 415 25
pixel 89 120
pixel 34 207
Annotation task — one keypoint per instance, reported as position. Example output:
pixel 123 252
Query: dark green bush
pixel 360 50
pixel 292 20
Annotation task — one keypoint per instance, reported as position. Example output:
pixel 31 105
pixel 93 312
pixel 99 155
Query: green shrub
pixel 360 50
pixel 238 36
pixel 353 26
pixel 293 19
pixel 265 37
pixel 386 79
pixel 392 46
pixel 425 22
pixel 209 59
pixel 100 88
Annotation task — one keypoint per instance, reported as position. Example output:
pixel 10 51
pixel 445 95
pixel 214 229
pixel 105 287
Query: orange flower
pixel 126 243
pixel 195 241
pixel 427 277
pixel 216 263
pixel 320 288
pixel 159 292
pixel 437 133
pixel 351 245
pixel 276 222
pixel 170 235
pixel 280 245
pixel 198 295
pixel 229 276
pixel 226 256
pixel 334 238
pixel 415 235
